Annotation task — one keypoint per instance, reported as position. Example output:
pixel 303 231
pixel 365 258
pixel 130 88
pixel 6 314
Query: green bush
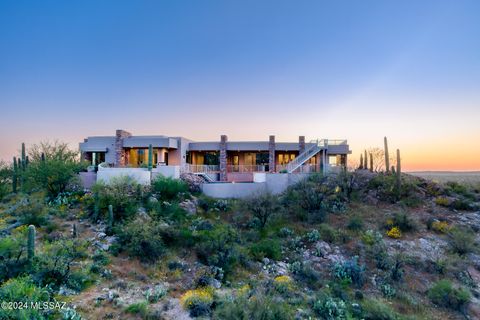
pixel 23 289
pixel 33 212
pixel 57 172
pixel 218 247
pixel 462 240
pixel 259 306
pixel 169 189
pixel 355 223
pixel 443 293
pixel 268 248
pixel 53 266
pixel 374 309
pixel 328 233
pixel 141 239
pixel 140 308
pixel 314 198
pixel 13 253
pixel 262 207
pixel 401 220
pixel 121 193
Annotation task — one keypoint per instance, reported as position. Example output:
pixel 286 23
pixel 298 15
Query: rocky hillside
pixel 351 246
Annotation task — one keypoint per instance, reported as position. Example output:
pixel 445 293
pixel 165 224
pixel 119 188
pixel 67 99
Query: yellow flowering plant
pixel 394 233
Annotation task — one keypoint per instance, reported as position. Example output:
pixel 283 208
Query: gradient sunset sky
pixel 359 70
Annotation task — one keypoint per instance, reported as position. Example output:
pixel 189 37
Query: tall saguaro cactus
pixel 14 176
pixel 31 242
pixel 387 157
pixel 365 160
pixel 399 172
pixel 110 216
pixel 24 160
pixel 150 157
pixel 361 162
pixel 371 162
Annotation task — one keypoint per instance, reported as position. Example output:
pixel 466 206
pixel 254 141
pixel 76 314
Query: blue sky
pixel 349 69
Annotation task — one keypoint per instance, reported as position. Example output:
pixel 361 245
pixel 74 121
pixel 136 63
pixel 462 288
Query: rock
pixel 322 249
pixel 265 261
pixel 216 284
pixel 112 295
pixel 194 181
pixel 101 235
pixel 189 206
pixel 282 268
pixel 143 215
pixel 475 259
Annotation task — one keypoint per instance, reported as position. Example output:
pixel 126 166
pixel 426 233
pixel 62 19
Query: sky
pixel 356 70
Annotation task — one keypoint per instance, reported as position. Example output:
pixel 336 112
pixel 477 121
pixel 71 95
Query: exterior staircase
pixel 315 147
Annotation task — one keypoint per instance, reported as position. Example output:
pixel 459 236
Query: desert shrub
pixel 121 193
pixel 259 306
pixel 285 232
pixel 283 284
pixel 268 248
pixel 312 236
pixel 13 254
pixel 218 247
pixel 169 189
pixel 462 240
pixel 57 172
pixel 396 267
pixel 388 291
pixel 153 295
pixel 374 309
pixel 303 271
pixel 314 198
pixel 327 233
pixel 355 223
pixel 262 207
pixel 444 294
pixel 330 308
pixel 23 289
pixel 386 188
pixel 461 189
pixel 140 308
pixel 442 201
pixel 142 239
pixel 371 237
pixel 461 204
pixel 198 302
pixel 32 212
pixel 394 233
pixel 402 221
pixel 350 272
pixel 53 266
pixel 440 226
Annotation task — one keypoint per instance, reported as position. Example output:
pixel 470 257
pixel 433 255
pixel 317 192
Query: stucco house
pixel 222 160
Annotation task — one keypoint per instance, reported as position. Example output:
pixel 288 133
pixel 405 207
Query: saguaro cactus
pixel 399 172
pixel 110 216
pixel 24 161
pixel 371 162
pixel 31 242
pixel 365 160
pixel 393 169
pixel 387 157
pixel 74 230
pixel 42 157
pixel 361 162
pixel 150 157
pixel 14 176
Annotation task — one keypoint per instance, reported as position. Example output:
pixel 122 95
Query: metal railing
pixel 199 168
pixel 304 156
pixel 245 168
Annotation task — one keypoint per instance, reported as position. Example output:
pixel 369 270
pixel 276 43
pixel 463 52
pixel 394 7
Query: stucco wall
pixel 167 171
pixel 141 175
pixel 274 183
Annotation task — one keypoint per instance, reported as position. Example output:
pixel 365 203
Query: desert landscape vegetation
pixel 359 244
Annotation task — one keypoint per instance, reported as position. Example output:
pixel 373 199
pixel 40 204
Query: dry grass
pixel 472 178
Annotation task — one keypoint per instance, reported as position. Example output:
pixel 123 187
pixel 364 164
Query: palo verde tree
pixel 52 166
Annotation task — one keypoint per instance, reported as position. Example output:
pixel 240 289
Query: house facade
pixel 222 160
